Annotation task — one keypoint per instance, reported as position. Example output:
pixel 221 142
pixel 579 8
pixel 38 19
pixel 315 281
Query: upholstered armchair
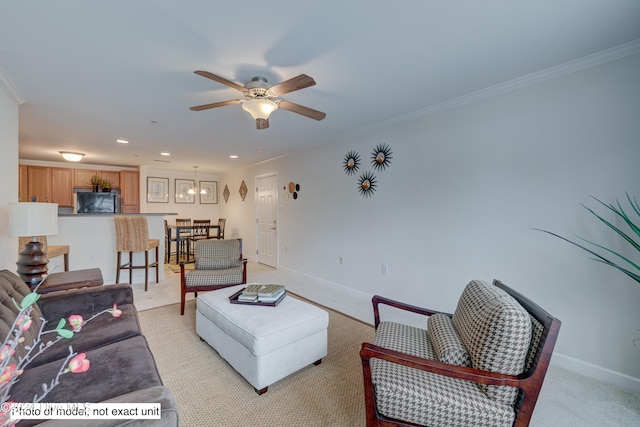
pixel 482 366
pixel 217 264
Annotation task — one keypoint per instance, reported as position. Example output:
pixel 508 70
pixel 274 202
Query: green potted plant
pixel 95 182
pixel 630 234
pixel 106 185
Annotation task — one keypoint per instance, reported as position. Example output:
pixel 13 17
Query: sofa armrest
pixel 159 394
pixel 378 300
pixel 84 301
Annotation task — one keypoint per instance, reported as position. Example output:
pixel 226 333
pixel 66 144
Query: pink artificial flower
pixel 7 374
pixel 6 352
pixel 79 364
pixel 76 322
pixel 24 322
pixel 115 312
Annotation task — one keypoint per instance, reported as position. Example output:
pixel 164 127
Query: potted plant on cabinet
pixel 106 185
pixel 95 182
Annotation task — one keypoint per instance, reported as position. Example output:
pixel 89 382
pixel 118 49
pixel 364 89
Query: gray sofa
pixel 122 369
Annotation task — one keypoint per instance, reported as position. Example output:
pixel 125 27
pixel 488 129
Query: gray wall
pixel 464 189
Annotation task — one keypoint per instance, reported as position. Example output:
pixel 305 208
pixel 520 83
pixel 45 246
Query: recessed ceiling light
pixel 122 141
pixel 233 156
pixel 165 154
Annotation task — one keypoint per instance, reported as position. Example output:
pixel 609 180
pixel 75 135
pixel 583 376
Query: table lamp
pixel 33 220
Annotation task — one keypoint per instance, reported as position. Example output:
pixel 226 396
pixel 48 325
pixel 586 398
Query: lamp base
pixel 32 264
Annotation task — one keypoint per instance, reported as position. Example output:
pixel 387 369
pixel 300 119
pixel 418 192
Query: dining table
pixel 183 237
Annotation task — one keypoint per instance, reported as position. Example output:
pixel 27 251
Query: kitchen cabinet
pixel 82 177
pixel 130 191
pixel 23 191
pixel 50 185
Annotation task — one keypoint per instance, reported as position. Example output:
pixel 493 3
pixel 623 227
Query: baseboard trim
pixel 596 372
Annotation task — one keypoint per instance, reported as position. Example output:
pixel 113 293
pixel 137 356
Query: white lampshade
pixel 70 156
pixel 259 108
pixel 33 219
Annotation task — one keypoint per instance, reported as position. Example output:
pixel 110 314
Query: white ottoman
pixel 264 344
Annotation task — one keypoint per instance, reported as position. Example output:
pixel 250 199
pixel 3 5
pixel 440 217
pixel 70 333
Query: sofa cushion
pixel 104 329
pixel 446 343
pixel 115 369
pixel 496 331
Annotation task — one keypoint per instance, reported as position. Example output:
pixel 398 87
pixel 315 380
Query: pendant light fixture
pixel 195 189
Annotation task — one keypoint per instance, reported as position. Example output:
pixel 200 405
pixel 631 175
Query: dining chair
pixel 167 242
pixel 221 224
pixel 183 236
pixel 200 230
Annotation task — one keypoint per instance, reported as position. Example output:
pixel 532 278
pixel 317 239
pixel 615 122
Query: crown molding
pixel 10 88
pixel 589 61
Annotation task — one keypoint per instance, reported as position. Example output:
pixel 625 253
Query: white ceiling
pixel 91 72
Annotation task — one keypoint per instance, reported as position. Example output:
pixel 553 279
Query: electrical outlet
pixel 385 269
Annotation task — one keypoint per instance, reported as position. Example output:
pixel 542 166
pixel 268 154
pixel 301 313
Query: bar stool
pixel 132 235
pixel 50 251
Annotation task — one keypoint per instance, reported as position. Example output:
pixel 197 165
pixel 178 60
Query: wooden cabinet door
pixel 39 183
pixel 130 191
pixel 82 177
pixel 61 187
pixel 112 176
pixel 23 190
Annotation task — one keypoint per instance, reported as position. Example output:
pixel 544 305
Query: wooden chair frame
pixel 529 382
pixel 195 289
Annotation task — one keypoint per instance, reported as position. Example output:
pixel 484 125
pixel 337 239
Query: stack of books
pixel 262 293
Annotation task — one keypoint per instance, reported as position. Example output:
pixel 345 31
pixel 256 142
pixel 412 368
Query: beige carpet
pixel 211 393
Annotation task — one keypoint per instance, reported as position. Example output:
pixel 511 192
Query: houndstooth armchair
pixel 218 264
pixel 482 366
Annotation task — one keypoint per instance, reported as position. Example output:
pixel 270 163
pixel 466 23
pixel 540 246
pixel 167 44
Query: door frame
pixel 277 210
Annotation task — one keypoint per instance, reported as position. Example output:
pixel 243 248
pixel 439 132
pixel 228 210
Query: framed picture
pixel 211 195
pixel 157 190
pixel 182 191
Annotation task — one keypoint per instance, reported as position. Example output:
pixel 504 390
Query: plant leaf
pixel 29 299
pixel 65 333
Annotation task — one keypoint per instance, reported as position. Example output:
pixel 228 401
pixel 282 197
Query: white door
pixel 267 205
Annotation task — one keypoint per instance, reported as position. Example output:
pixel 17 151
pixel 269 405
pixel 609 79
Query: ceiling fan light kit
pixel 261 98
pixel 259 108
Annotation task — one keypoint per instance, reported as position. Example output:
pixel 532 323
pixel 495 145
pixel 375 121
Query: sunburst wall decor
pixel 351 162
pixel 367 184
pixel 381 157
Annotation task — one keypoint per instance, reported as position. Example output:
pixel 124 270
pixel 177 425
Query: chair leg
pixel 131 268
pixel 146 270
pixel 118 268
pixel 157 265
pixel 182 298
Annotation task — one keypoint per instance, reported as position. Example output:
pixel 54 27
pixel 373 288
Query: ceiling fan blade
pixel 220 80
pixel 262 123
pixel 216 104
pixel 300 109
pixel 295 83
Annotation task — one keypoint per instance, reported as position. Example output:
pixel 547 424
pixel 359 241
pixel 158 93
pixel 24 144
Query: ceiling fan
pixel 261 99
